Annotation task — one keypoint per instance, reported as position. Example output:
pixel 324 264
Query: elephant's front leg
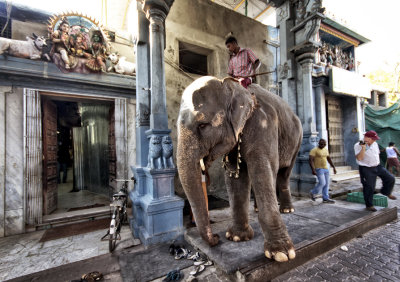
pixel 283 190
pixel 277 243
pixel 239 197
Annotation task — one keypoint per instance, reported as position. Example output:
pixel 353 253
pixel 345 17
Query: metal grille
pixel 5 32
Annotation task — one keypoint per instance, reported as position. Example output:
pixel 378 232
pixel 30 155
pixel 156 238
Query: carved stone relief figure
pixel 155 153
pixel 333 55
pixel 284 71
pixel 316 7
pixel 301 10
pixel 167 152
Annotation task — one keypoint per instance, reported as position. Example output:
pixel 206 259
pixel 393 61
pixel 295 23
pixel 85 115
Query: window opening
pixel 193 59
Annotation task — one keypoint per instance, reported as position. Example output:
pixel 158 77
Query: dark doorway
pixel 76 154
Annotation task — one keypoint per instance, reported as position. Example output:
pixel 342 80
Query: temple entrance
pixel 335 130
pixel 78 153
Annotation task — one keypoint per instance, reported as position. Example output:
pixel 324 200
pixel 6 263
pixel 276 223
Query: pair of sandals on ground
pixel 200 262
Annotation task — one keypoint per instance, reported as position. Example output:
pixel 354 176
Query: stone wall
pixel 205 24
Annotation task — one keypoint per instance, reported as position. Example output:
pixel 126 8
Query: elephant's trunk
pixel 188 162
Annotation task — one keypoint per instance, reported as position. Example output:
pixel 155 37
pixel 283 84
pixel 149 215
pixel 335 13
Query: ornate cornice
pixel 340 35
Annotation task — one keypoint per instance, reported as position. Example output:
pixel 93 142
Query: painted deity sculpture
pixel 61 42
pixel 97 62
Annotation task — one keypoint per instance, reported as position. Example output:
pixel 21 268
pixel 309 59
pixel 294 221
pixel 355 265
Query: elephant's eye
pixel 202 125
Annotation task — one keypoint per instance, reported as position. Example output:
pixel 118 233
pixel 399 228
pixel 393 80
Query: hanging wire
pixel 177 67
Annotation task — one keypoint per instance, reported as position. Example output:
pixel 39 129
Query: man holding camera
pixel 367 156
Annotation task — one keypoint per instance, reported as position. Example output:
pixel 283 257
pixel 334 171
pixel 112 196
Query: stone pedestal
pixel 158 212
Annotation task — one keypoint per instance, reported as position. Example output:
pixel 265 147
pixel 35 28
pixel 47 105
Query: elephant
pixel 259 137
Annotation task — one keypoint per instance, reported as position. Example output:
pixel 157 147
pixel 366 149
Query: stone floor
pixel 24 254
pixel 68 199
pixel 34 256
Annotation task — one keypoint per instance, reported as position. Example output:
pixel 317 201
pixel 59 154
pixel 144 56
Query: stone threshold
pixel 59 219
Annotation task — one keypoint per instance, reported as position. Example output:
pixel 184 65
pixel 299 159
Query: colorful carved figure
pixel 29 49
pixel 61 41
pixel 79 46
pixel 120 65
pixel 97 62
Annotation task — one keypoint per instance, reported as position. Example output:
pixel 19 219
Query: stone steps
pixel 59 219
pixel 344 173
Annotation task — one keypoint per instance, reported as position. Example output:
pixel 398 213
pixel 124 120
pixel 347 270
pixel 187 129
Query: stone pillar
pixel 286 74
pixel 320 107
pixel 121 138
pixel 361 105
pixel 306 112
pixel 303 43
pixel 142 116
pixel 3 91
pixel 157 210
pixel 14 204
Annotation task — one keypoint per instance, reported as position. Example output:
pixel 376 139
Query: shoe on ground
pixel 198 269
pixel 392 197
pixel 181 253
pixel 312 197
pixel 328 201
pixel 174 275
pixel 372 208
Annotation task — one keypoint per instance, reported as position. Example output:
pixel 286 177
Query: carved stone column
pixel 142 117
pixel 361 105
pixel 320 109
pixel 157 210
pixel 286 73
pixel 305 42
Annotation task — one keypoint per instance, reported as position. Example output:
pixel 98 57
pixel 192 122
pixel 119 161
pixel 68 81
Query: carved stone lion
pixel 167 152
pixel 155 153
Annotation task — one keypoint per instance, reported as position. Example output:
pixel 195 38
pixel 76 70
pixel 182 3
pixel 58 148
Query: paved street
pixel 373 257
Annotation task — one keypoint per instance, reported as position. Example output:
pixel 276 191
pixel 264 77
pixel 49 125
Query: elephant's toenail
pixel 236 238
pixel 292 210
pixel 292 254
pixel 227 235
pixel 286 210
pixel 268 254
pixel 280 257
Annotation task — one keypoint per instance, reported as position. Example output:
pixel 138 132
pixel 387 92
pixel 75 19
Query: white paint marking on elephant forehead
pixel 264 123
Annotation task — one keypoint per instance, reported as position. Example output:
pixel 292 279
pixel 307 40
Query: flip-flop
pixel 203 262
pixel 92 276
pixel 194 256
pixel 198 269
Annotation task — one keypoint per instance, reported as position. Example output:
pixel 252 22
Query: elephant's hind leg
pixel 239 198
pixel 283 190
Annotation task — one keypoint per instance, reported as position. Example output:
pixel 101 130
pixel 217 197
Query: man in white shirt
pixel 367 156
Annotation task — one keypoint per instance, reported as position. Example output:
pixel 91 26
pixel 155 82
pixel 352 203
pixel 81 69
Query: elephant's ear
pixel 240 105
